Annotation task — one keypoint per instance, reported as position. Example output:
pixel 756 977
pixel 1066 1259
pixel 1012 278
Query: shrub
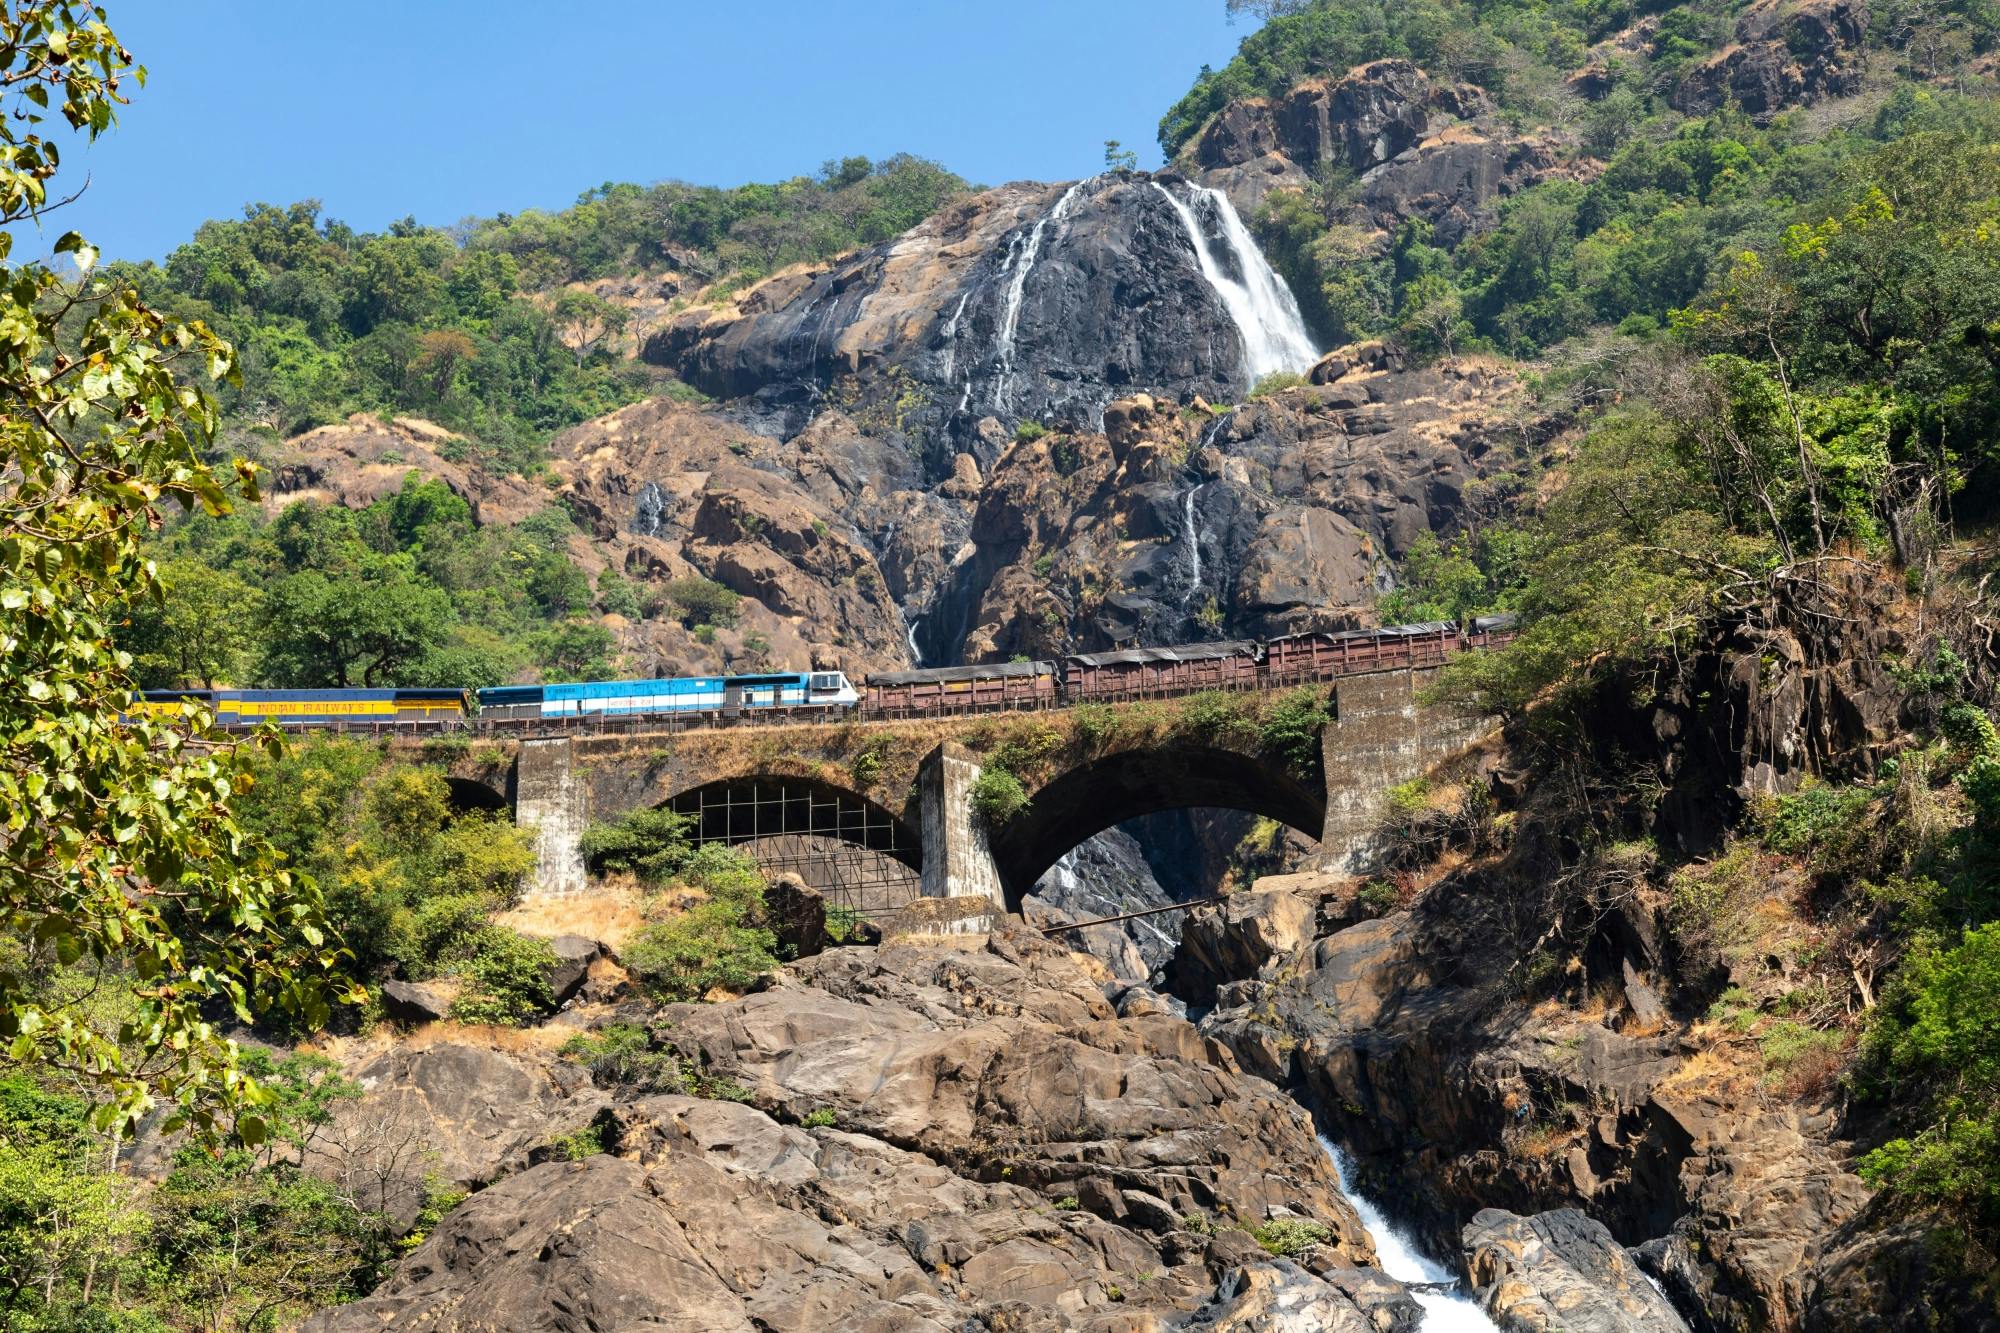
pixel 1934 1049
pixel 1277 382
pixel 1093 724
pixel 506 979
pixel 438 932
pixel 699 601
pixel 483 854
pixel 1803 1061
pixel 1289 1237
pixel 1027 432
pixel 820 1118
pixel 1214 715
pixel 1409 799
pixel 998 795
pixel 1291 726
pixel 868 762
pixel 1815 820
pixel 1378 897
pixel 651 844
pixel 585 1142
pixel 623 1054
pixel 705 947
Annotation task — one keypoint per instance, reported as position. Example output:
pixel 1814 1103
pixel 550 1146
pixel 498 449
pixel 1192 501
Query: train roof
pixel 1187 652
pixel 946 675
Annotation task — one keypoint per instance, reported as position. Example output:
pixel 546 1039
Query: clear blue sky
pixel 450 108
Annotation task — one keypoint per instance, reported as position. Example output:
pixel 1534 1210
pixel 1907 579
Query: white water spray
pixel 1020 263
pixel 1261 306
pixel 910 631
pixel 1402 1260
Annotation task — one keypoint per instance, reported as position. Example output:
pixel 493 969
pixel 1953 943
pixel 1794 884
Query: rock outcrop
pixel 1418 148
pixel 1561 1271
pixel 1784 54
pixel 916 1136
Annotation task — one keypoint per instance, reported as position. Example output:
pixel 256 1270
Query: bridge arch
pixel 1084 801
pixel 470 794
pixel 858 853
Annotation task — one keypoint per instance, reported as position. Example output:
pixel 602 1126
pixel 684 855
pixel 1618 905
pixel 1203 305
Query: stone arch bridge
pixel 876 813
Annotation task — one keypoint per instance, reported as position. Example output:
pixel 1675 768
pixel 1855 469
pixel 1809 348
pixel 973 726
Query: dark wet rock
pixel 413 1002
pixel 1108 876
pixel 798 916
pixel 574 955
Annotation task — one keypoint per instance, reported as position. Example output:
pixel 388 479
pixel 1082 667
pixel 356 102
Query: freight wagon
pixel 948 689
pixel 699 694
pixel 1149 671
pixel 309 708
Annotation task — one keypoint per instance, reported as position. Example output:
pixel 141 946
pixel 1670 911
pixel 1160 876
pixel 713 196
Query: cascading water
pixel 1191 534
pixel 1261 306
pixel 1020 263
pixel 1443 1312
pixel 950 331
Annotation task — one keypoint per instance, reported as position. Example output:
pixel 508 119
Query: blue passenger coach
pixel 704 694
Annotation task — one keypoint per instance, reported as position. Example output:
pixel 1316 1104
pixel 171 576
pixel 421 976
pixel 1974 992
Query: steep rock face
pixel 1030 302
pixel 1003 1152
pixel 1108 876
pixel 1785 54
pixel 1608 1094
pixel 1419 147
pixel 1280 515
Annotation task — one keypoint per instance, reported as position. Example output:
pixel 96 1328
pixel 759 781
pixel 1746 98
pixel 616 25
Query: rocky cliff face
pixel 1031 302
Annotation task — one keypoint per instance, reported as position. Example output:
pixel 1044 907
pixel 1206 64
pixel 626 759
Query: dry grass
pixel 610 913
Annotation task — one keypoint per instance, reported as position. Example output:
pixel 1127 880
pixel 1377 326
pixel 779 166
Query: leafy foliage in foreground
pixel 136 912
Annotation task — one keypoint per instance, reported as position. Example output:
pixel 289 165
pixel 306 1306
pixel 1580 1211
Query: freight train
pixel 1132 673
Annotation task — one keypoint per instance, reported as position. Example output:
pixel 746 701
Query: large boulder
pixel 975 1064
pixel 1239 938
pixel 1561 1270
pixel 459 1113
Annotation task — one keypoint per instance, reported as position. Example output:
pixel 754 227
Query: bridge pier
pixel 958 862
pixel 552 798
pixel 1381 736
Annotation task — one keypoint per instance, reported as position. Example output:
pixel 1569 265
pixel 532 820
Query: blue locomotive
pixel 697 694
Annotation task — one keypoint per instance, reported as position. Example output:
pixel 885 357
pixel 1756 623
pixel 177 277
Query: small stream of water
pixel 1402 1260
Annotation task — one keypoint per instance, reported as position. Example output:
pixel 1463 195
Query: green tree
pixel 121 846
pixel 200 632
pixel 586 319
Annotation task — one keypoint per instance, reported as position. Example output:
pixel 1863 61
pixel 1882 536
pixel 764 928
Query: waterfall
pixel 910 631
pixel 1191 534
pixel 1402 1260
pixel 1021 258
pixel 1266 317
pixel 950 331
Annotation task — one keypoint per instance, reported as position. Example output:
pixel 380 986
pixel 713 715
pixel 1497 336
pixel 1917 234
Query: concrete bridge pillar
pixel 957 860
pixel 1381 736
pixel 551 798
